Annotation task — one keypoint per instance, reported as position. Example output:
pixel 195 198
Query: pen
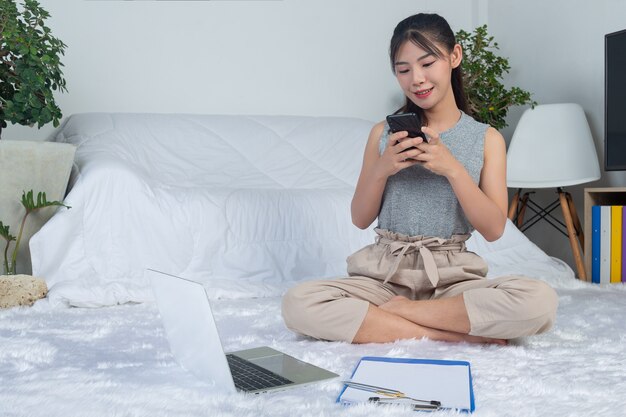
pixel 387 392
pixel 423 407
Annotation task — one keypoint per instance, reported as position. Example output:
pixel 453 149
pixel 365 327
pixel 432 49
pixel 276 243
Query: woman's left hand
pixel 436 156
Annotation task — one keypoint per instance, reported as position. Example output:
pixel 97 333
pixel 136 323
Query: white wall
pixel 322 57
pixel 556 51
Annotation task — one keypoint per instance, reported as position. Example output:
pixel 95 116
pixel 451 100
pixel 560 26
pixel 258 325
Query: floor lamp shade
pixel 552 147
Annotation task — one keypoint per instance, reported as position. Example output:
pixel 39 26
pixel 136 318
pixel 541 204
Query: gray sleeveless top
pixel 419 202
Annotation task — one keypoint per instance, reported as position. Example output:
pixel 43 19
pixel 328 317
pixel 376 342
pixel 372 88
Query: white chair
pixel 552 147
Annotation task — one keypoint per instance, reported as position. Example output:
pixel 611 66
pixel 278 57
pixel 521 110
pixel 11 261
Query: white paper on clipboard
pixel 449 382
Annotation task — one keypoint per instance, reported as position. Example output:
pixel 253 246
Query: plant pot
pixel 21 290
pixel 30 165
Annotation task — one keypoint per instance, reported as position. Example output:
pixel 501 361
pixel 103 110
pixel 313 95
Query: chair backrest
pixel 26 165
pixel 552 147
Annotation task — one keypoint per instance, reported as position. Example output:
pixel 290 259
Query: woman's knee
pixel 539 306
pixel 323 310
pixel 293 303
pixel 526 307
pixel 299 303
pixel 547 301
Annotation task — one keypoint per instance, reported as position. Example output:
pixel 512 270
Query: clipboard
pixel 446 381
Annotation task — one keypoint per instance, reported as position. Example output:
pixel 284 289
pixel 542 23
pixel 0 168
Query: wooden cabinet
pixel 612 196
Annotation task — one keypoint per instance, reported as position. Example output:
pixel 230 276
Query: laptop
pixel 195 343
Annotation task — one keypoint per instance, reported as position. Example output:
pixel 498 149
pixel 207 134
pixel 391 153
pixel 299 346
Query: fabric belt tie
pixel 425 246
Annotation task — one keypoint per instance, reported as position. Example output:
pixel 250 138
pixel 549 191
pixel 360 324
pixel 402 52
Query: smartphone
pixel 410 122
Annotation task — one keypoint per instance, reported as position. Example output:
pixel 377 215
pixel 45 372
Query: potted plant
pixel 30 72
pixel 21 289
pixel 483 70
pixel 30 66
pixel 30 206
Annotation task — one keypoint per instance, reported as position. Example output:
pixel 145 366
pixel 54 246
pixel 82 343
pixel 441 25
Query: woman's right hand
pixel 396 157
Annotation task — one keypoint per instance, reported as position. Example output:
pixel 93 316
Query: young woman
pixel 418 280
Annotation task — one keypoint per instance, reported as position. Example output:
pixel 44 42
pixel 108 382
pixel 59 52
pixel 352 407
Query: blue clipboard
pixel 447 381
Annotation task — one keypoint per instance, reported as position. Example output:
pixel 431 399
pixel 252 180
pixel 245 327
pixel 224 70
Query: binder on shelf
pixel 616 244
pixel 595 244
pixel 420 381
pixel 605 244
pixel 623 243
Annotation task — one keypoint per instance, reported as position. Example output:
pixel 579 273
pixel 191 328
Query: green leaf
pixel 4 232
pixel 35 102
pixel 30 205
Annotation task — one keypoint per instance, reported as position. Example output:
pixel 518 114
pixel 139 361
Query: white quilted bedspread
pixel 245 204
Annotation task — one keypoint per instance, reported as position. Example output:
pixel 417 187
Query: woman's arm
pixel 375 171
pixel 484 205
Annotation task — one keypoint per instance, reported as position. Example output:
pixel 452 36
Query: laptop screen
pixel 190 328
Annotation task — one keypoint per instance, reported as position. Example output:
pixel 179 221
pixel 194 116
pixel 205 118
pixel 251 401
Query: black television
pixel 615 101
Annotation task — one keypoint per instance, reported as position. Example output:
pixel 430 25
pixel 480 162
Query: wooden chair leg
pixel 579 229
pixel 522 209
pixel 513 207
pixel 571 232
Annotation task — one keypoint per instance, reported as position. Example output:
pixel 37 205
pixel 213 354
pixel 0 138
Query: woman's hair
pixel 427 31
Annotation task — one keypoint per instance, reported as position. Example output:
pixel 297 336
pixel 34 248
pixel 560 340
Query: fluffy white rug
pixel 115 361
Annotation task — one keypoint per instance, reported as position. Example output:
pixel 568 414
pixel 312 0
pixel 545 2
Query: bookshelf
pixel 599 196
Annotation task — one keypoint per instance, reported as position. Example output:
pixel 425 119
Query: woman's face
pixel 424 77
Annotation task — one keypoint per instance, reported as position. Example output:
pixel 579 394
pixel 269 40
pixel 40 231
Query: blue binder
pixel 595 243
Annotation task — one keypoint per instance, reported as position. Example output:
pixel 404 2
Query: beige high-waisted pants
pixel 419 268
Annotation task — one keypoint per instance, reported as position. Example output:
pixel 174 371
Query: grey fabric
pixel 26 165
pixel 417 202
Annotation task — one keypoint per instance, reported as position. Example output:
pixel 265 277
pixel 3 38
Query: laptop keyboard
pixel 250 377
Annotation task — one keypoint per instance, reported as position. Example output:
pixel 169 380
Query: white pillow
pixel 515 254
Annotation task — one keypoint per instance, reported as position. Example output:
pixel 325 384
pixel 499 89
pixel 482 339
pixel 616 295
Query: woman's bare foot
pixel 397 305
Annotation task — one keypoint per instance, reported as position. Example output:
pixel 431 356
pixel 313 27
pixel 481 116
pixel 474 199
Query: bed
pixel 249 205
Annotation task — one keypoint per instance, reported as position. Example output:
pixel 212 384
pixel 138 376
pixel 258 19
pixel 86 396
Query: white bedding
pixel 243 204
pixel 246 205
pixel 115 362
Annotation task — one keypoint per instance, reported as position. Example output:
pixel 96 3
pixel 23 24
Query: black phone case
pixel 410 122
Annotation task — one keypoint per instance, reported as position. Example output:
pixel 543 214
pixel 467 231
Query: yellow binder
pixel 616 244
